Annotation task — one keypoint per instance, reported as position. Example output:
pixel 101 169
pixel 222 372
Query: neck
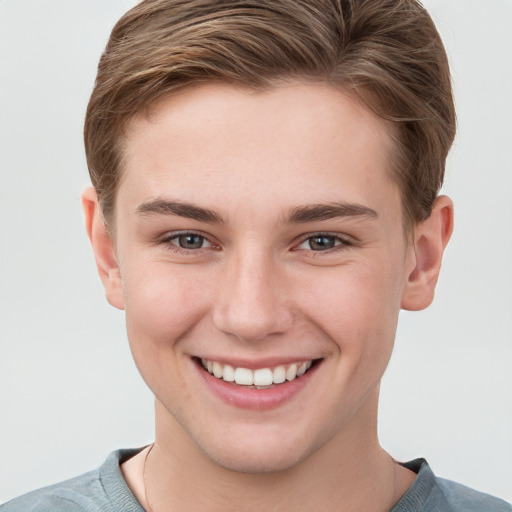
pixel 351 472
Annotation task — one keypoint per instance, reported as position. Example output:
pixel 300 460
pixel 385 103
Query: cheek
pixel 163 303
pixel 357 306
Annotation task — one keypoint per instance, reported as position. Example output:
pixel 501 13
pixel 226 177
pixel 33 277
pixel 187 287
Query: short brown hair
pixel 386 53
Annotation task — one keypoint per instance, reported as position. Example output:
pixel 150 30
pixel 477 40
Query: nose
pixel 251 303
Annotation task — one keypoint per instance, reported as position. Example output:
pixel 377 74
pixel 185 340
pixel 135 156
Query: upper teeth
pixel 259 377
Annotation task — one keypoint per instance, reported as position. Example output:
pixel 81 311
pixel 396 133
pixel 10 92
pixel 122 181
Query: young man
pixel 266 179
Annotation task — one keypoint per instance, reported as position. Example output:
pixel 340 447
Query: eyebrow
pixel 301 214
pixel 317 212
pixel 187 210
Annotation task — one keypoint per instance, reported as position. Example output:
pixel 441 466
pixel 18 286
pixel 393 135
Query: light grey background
pixel 69 392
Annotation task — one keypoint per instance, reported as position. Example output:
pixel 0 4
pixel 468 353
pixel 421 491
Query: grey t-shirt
pixel 105 490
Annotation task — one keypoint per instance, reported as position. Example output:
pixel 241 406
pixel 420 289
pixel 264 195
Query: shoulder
pixel 430 493
pixel 100 490
pixel 463 499
pixel 74 495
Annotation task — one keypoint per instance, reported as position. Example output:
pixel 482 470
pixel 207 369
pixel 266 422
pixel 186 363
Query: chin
pixel 259 461
pixel 258 453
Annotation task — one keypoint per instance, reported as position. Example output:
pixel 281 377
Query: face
pixel 259 237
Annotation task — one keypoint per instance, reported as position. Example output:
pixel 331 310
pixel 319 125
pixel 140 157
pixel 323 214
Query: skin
pixel 256 289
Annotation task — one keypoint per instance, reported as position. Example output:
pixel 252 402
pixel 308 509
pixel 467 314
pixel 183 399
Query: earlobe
pixel 103 248
pixel 430 239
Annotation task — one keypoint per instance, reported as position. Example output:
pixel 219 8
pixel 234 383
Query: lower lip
pixel 256 399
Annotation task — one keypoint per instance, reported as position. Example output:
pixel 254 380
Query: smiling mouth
pixel 261 378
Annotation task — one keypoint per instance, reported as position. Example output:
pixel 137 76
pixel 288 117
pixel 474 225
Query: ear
pixel 430 239
pixel 103 248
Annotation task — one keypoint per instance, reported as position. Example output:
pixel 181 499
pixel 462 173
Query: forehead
pixel 294 143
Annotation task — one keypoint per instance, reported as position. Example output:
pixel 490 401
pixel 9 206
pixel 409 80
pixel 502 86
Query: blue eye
pixel 189 241
pixel 322 242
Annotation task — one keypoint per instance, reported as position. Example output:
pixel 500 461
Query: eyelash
pixel 340 243
pixel 169 242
